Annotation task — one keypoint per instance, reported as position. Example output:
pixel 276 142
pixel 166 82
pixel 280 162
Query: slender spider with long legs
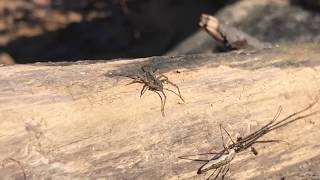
pixel 221 160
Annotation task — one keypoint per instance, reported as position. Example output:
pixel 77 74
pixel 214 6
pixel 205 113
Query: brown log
pixel 80 120
pixel 228 36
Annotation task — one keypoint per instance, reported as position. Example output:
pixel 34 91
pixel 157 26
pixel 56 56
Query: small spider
pixel 154 82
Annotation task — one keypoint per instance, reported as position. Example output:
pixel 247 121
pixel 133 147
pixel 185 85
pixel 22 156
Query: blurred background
pixel 70 30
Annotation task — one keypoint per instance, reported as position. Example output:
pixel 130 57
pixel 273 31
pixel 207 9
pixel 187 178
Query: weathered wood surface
pixel 79 121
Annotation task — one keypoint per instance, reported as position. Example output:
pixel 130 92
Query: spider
pixel 220 162
pixel 154 81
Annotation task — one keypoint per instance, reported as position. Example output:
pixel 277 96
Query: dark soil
pixel 46 30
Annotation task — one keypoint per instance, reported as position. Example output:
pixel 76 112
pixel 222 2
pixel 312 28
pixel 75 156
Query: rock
pixel 267 20
pixel 6 59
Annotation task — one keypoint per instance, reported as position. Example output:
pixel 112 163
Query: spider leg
pixel 166 80
pixel 270 141
pixel 220 169
pixel 286 120
pixel 134 81
pixel 225 170
pixel 263 130
pixel 224 145
pixel 255 152
pixel 163 76
pixel 188 157
pixel 254 141
pixel 175 93
pixel 227 133
pixel 212 174
pixel 143 90
pixel 162 103
pixel 137 79
pixel 201 160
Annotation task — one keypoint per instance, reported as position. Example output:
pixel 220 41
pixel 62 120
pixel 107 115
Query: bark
pixel 228 36
pixel 81 120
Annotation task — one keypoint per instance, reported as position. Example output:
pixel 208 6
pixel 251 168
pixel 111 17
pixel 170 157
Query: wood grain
pixel 80 120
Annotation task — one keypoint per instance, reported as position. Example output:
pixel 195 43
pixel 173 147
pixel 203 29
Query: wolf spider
pixel 154 81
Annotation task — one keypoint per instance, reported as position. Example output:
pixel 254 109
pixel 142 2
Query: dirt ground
pixel 53 30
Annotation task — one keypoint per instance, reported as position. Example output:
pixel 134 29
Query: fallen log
pixel 229 37
pixel 80 120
